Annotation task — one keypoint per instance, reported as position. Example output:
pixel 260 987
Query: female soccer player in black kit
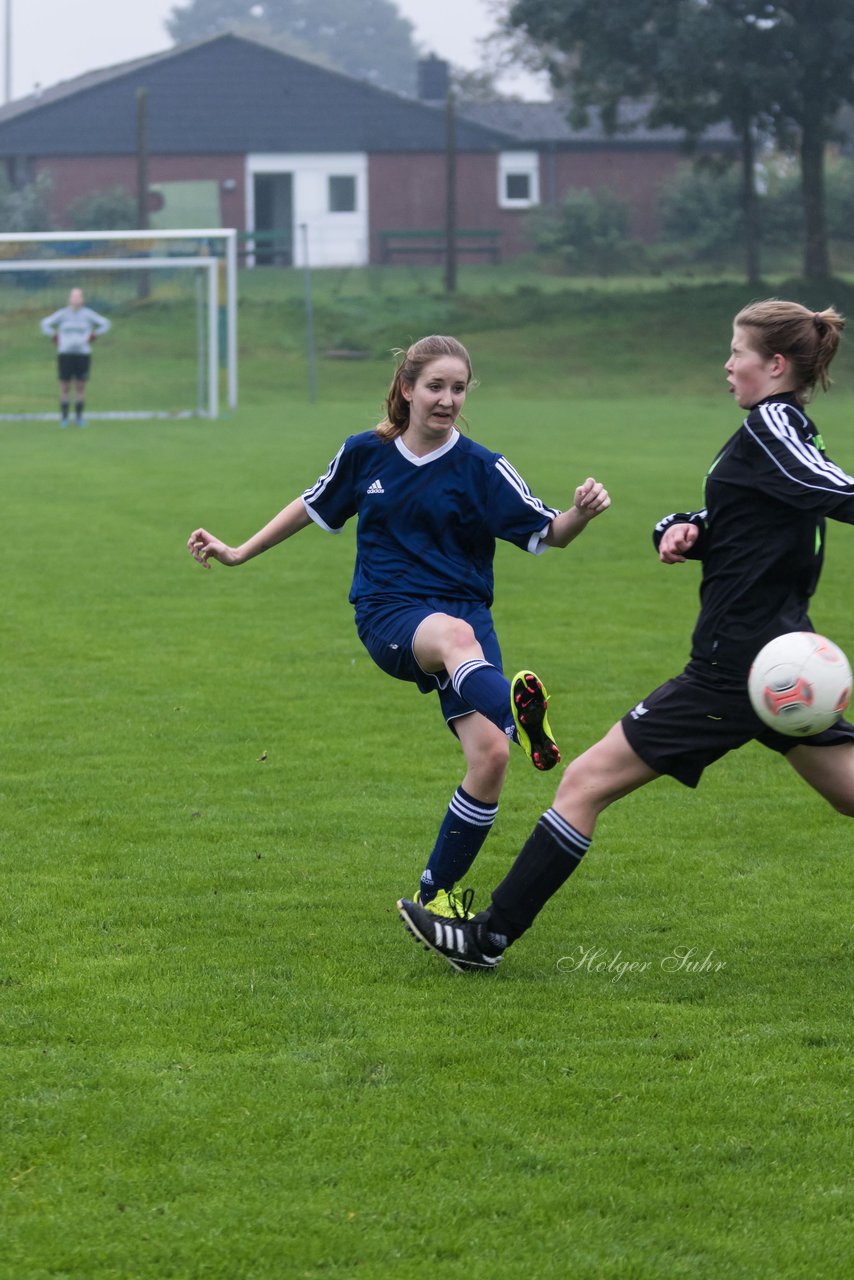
pixel 760 540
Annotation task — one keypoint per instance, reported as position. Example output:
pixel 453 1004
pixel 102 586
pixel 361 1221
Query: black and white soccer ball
pixel 800 683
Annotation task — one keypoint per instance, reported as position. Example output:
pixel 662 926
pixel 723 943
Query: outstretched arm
pixel 591 499
pixel 204 547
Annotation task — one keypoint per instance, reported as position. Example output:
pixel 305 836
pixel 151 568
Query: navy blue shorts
pixel 691 721
pixel 387 631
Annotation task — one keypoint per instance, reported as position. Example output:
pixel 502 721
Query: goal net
pixel 169 298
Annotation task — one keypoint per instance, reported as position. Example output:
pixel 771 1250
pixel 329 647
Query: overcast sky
pixel 53 40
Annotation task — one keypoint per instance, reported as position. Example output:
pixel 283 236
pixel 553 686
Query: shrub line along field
pixel 222 1056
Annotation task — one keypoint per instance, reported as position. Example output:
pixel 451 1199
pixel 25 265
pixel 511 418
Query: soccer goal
pixel 170 298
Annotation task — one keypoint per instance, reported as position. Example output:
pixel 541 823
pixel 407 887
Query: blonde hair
pixel 411 364
pixel 808 339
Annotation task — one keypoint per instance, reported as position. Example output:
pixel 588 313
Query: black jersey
pixel 762 532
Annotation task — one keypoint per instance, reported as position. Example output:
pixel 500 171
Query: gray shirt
pixel 73 327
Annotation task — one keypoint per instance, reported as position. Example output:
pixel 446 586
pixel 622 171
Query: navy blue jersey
pixel 427 526
pixel 762 532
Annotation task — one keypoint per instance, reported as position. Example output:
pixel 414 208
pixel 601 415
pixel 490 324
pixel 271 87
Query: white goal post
pixel 208 400
pixel 214 245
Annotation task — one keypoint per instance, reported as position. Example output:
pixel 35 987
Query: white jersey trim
pixel 315 491
pixel 536 544
pixel 775 417
pixel 428 457
pixel 312 514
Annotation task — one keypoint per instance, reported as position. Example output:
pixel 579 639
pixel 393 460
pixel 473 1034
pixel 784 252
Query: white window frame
pixel 519 162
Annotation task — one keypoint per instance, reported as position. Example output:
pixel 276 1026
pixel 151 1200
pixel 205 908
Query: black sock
pixel 63 408
pixel 551 854
pixel 78 408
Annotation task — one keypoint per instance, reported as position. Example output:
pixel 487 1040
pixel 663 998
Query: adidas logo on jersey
pixel 376 487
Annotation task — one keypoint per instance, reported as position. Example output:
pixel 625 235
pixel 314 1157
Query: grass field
pixel 222 1056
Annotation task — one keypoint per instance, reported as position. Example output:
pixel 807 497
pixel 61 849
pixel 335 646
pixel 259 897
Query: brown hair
pixel 411 363
pixel 808 339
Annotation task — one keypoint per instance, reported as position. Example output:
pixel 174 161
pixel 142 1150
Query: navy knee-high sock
pixel 551 854
pixel 486 690
pixel 466 825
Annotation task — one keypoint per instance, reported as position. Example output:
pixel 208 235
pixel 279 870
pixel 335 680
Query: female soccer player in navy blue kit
pixel 430 504
pixel 760 539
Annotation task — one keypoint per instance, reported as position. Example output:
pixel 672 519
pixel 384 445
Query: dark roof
pixel 537 123
pixel 228 94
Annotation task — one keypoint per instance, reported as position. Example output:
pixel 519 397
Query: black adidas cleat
pixel 530 704
pixel 456 940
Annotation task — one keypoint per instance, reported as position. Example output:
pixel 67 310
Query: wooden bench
pixel 469 240
pixel 268 248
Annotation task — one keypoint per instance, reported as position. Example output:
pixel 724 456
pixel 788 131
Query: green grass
pixel 222 1056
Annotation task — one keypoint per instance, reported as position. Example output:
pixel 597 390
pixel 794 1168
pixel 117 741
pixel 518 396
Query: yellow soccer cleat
pixel 530 702
pixel 449 904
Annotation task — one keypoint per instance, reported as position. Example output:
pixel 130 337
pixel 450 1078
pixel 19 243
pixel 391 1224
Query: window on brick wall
pixel 518 179
pixel 517 186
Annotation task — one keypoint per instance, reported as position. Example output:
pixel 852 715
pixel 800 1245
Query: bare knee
pixel 442 641
pixel 606 772
pixel 458 640
pixel 829 771
pixel 582 778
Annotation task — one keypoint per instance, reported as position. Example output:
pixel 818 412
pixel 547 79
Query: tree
pixel 370 40
pixel 477 86
pixel 754 65
pixel 815 42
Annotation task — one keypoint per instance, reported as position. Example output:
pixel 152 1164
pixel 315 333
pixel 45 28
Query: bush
pixel 701 206
pixel 586 232
pixel 25 208
pixel 113 210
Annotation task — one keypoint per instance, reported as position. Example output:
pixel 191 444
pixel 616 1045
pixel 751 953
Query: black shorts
pixel 73 367
pixel 691 721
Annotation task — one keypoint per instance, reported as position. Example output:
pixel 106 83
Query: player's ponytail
pixel 829 325
pixel 808 339
pixel 410 365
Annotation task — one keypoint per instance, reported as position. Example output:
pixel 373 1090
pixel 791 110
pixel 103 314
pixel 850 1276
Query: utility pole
pixel 141 159
pixel 144 284
pixel 450 195
pixel 309 316
pixel 8 53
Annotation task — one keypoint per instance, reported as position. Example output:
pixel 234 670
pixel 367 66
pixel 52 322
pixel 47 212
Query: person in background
pixel 74 328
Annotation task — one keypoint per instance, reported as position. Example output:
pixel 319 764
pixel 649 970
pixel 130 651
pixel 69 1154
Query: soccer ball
pixel 800 683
